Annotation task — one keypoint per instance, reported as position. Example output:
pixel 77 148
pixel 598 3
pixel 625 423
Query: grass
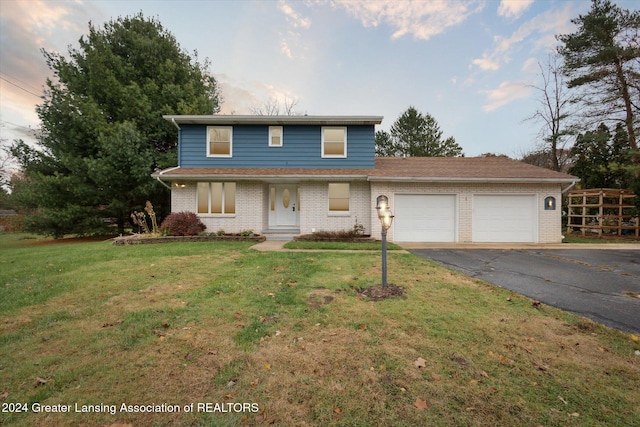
pixel 218 323
pixel 354 246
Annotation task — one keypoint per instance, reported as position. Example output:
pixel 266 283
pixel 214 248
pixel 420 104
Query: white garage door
pixel 504 218
pixel 425 218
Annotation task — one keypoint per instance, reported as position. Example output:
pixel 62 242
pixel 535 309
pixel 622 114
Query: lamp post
pixel 386 218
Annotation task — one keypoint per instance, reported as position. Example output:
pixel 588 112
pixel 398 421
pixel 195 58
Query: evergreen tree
pixel 102 128
pixel 416 135
pixel 602 59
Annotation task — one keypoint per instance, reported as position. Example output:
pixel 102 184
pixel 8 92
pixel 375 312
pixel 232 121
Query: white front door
pixel 284 209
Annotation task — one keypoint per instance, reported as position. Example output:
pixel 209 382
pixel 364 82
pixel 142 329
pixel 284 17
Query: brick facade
pixel 549 224
pixel 252 199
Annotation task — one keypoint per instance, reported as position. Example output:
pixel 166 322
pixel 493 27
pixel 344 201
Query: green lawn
pixel 285 338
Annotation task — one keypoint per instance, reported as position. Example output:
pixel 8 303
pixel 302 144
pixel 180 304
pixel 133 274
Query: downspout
pixel 165 171
pixel 573 184
pixel 173 120
pixel 162 182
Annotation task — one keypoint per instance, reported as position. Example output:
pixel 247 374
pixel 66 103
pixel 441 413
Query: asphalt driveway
pixel 603 285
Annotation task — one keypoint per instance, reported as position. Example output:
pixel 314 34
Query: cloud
pixel 421 19
pixel 539 32
pixel 27 27
pixel 239 97
pixel 485 63
pixel 292 45
pixel 292 16
pixel 513 8
pixel 507 92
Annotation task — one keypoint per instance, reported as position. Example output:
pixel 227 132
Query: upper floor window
pixel 219 141
pixel 334 142
pixel 275 136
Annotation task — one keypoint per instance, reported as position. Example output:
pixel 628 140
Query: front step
pixel 281 234
pixel 281 237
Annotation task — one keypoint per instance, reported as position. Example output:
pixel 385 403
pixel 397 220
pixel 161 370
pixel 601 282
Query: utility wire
pixel 27 84
pixel 20 87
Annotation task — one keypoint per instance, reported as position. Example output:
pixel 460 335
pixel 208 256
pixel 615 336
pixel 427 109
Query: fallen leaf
pixel 562 400
pixel 189 356
pixel 337 410
pixel 4 395
pixel 634 338
pixel 232 382
pixel 254 383
pixel 267 366
pixel 272 295
pixel 420 362
pixel 574 414
pixel 40 381
pixel 420 404
pixel 362 327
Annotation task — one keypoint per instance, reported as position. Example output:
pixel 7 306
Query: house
pixel 299 174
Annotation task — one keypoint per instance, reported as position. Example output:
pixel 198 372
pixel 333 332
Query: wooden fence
pixel 603 211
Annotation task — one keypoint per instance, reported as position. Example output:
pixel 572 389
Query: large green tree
pixel 601 159
pixel 102 128
pixel 602 61
pixel 415 134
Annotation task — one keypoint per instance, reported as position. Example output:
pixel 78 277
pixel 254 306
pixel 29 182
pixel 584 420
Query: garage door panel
pixel 504 218
pixel 424 218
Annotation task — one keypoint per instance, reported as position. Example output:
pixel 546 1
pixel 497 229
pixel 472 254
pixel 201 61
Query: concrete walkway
pixel 278 245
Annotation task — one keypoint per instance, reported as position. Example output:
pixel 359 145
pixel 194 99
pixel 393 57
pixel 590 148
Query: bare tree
pixel 273 107
pixel 555 109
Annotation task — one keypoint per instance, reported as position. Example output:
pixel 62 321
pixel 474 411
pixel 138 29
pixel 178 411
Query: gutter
pixel 165 171
pixel 573 184
pixel 474 180
pixel 268 177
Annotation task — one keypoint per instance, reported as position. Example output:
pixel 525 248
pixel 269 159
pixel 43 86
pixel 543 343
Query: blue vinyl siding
pixel 301 148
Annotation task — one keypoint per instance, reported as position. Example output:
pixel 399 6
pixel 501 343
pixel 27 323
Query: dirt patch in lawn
pixel 379 292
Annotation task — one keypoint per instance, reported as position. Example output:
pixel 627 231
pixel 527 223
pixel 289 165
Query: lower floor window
pixel 339 197
pixel 216 198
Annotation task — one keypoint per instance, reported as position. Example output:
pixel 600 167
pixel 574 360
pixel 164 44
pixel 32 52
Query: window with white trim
pixel 339 197
pixel 216 198
pixel 275 136
pixel 334 142
pixel 219 141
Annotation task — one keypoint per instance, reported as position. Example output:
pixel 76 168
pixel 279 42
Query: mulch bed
pixel 380 293
pixel 141 239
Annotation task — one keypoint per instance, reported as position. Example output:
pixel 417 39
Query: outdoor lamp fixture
pixel 386 218
pixel 550 204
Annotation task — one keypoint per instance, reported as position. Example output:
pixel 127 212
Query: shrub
pixel 182 224
pixel 13 224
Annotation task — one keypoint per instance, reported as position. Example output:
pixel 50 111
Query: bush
pixel 13 224
pixel 182 224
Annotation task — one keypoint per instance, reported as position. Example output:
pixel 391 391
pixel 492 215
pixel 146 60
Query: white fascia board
pixel 218 119
pixel 473 180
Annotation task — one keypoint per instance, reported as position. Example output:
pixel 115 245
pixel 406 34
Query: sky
pixel 471 64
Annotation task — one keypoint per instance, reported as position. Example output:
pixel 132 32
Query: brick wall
pixel 549 223
pixel 250 207
pixel 252 204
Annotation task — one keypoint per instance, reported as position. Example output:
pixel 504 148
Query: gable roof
pixel 220 119
pixel 418 169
